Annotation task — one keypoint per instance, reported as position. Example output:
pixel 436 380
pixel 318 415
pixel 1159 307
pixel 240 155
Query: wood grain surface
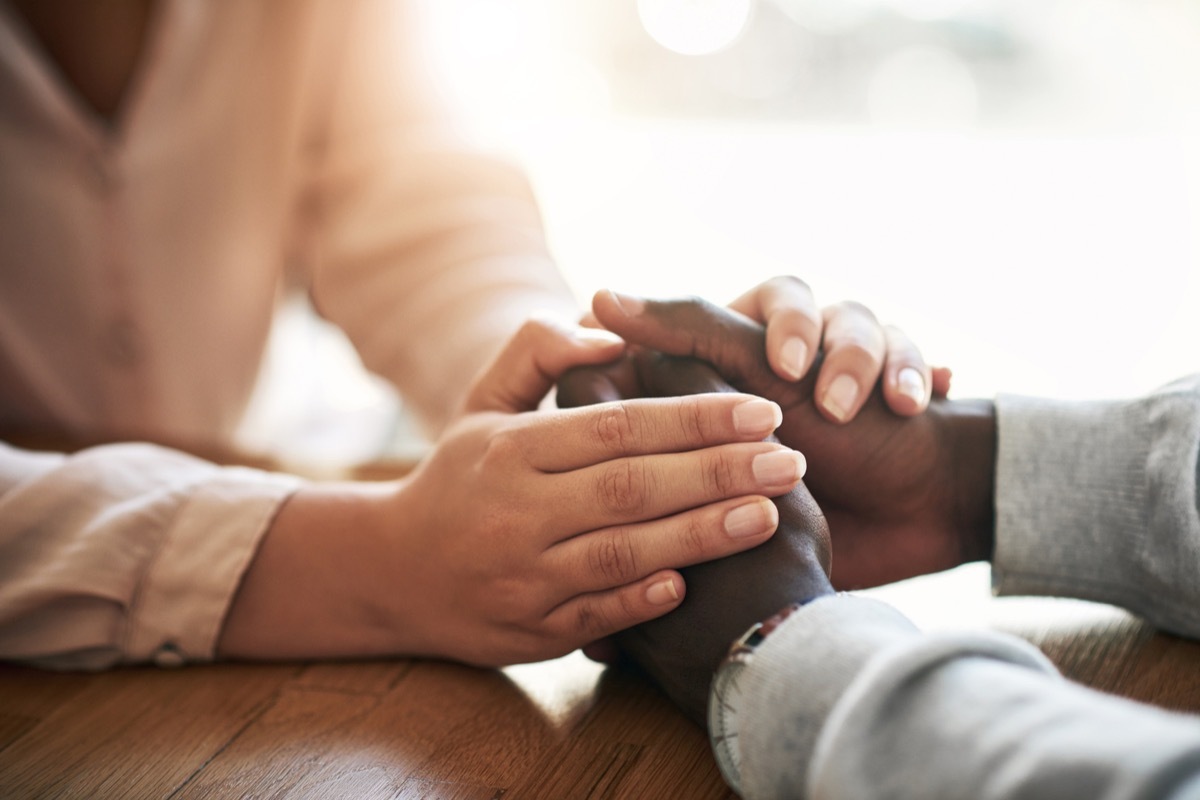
pixel 559 730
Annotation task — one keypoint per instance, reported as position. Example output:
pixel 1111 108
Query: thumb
pixel 533 360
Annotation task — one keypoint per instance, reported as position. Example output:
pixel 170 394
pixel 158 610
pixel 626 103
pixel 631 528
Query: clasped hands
pixel 529 532
pixel 904 493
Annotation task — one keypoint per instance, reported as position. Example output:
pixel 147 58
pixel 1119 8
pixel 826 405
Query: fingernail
pixel 910 383
pixel 628 305
pixel 840 397
pixel 597 337
pixel 793 356
pixel 751 519
pixel 756 416
pixel 662 593
pixel 778 467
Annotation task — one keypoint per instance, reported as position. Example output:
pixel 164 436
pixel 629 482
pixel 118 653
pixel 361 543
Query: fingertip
pixel 623 304
pixel 757 417
pixel 910 392
pixel 840 400
pixel 752 523
pixel 773 513
pixel 779 468
pixel 791 360
pixel 665 590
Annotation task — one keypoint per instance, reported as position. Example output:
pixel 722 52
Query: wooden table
pixel 559 730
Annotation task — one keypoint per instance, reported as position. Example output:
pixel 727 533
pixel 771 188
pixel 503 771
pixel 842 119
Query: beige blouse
pixel 140 265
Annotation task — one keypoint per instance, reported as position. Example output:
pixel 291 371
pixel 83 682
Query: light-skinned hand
pixel 524 534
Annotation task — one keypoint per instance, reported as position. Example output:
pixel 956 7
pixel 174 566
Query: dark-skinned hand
pixel 903 496
pixel 681 649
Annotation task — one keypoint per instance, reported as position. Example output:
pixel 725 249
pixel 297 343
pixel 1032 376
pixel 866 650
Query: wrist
pixel 314 588
pixel 971 431
pixel 787 691
pixel 724 708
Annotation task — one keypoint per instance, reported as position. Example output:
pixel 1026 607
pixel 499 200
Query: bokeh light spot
pixel 695 27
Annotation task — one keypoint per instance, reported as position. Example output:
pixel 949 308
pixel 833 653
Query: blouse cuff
pixel 180 607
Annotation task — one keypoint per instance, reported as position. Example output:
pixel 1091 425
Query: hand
pixel 524 534
pixel 903 496
pixel 680 650
pixel 530 534
pixel 857 350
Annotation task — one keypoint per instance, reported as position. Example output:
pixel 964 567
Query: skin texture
pixel 680 650
pixel 903 496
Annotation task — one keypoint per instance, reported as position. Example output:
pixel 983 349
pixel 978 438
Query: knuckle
pixel 857 354
pixel 612 558
pixel 695 308
pixel 720 474
pixel 788 281
pixel 615 427
pixel 603 616
pixel 623 487
pixel 694 537
pixel 536 329
pixel 502 449
pixel 592 617
pixel 857 309
pixel 802 321
pixel 694 421
pixel 515 601
pixel 899 344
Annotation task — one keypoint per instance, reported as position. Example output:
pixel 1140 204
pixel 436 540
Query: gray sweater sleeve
pixel 1099 501
pixel 847 699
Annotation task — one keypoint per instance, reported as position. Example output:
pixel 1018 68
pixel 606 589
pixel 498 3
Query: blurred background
pixel 1016 184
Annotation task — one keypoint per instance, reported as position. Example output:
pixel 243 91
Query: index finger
pixel 732 342
pixel 570 439
pixel 855 347
pixel 786 305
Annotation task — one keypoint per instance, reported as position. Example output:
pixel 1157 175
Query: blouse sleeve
pixel 124 553
pixel 427 251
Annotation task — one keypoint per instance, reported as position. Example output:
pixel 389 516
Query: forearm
pixel 321 584
pixel 1099 501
